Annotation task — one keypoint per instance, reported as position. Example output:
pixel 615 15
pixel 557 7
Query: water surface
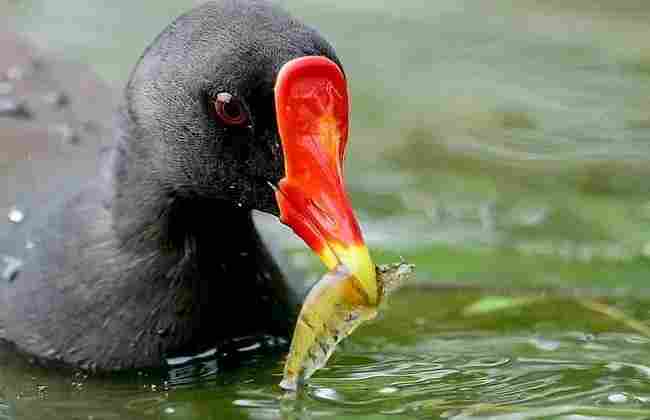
pixel 453 353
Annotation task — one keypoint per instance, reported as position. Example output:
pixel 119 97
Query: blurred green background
pixel 495 142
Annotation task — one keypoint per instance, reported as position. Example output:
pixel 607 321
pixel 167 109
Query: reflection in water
pixel 434 354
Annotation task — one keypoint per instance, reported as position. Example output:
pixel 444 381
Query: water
pixel 496 143
pixel 10 267
pixel 538 356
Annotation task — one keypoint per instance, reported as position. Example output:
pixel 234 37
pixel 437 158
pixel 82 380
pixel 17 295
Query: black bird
pixel 150 250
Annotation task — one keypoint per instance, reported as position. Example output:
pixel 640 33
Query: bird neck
pixel 208 248
pixel 151 216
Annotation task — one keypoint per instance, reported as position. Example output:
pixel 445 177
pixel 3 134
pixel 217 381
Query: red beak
pixel 312 108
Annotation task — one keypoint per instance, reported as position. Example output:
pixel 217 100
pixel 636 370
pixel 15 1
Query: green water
pixel 495 144
pixel 453 353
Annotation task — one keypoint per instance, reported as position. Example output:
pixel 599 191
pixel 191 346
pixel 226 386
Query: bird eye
pixel 230 110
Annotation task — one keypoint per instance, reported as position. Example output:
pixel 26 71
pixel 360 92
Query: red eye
pixel 230 110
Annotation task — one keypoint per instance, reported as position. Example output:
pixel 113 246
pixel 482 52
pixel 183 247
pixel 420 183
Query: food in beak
pixel 312 110
pixel 328 315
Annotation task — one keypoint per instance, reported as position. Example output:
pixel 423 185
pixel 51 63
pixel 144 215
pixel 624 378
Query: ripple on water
pixel 438 371
pixel 563 378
